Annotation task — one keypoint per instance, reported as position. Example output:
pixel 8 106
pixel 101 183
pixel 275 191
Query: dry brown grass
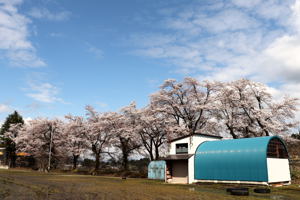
pixel 33 185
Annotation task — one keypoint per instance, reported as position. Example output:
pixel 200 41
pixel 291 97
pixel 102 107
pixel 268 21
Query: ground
pixel 17 184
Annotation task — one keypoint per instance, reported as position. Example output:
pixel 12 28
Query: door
pixel 180 171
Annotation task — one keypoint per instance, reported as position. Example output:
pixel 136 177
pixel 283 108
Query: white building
pixel 180 161
pixel 208 158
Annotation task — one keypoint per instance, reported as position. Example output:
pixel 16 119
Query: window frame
pixel 182 152
pixel 277 149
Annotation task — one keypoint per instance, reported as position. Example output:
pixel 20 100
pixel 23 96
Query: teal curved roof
pixel 233 160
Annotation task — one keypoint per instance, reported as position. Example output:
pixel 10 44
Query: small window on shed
pixel 276 149
pixel 182 148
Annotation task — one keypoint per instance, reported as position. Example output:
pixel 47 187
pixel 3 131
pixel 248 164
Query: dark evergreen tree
pixel 10 146
pixel 296 135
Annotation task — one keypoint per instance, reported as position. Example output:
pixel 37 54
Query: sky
pixel 57 56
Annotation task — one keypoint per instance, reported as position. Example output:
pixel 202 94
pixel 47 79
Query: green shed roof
pixel 232 160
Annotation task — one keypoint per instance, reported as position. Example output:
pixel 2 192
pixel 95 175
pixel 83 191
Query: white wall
pixel 172 149
pixel 193 143
pixel 191 170
pixel 278 170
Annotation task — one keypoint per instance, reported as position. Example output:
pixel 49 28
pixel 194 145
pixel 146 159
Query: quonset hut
pixel 254 160
pixel 204 158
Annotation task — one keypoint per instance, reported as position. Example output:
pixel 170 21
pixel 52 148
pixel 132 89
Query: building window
pixel 182 148
pixel 276 149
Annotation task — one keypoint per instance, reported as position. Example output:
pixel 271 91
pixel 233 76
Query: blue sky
pixel 56 56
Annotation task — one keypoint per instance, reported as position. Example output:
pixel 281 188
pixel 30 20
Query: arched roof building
pixel 206 158
pixel 261 159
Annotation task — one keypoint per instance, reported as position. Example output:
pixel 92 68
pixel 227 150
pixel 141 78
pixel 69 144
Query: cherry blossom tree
pixel 75 137
pixel 247 109
pixel 189 102
pixel 98 134
pixel 13 131
pixel 240 108
pixel 126 136
pixel 153 128
pixel 42 138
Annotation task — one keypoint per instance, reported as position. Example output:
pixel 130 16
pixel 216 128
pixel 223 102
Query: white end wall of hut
pixel 193 142
pixel 278 170
pixel 191 168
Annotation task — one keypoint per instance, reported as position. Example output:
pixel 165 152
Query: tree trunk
pixel 43 163
pixel 75 160
pixel 125 161
pixel 263 127
pixel 151 155
pixel 156 152
pixel 6 158
pixel 234 136
pixel 12 158
pixel 124 148
pixel 149 149
pixel 97 164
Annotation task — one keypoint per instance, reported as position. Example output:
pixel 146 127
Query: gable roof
pixel 195 134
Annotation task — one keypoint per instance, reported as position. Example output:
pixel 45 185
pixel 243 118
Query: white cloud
pixel 151 39
pixel 295 19
pixel 43 92
pixel 33 107
pixel 27 119
pixel 4 108
pixel 227 20
pixel 281 59
pixel 43 13
pixel 274 10
pixel 26 58
pixel 289 89
pixel 255 39
pixel 246 4
pixel 98 53
pixel 250 39
pixel 14 34
pixel 9 4
pixel 56 34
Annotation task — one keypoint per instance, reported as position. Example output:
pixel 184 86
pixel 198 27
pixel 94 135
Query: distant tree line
pixel 236 109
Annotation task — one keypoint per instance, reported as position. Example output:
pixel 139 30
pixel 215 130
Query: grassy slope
pixel 33 185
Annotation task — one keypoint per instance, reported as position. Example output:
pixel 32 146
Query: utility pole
pixel 50 148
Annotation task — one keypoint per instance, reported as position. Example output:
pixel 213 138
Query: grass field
pixel 28 185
